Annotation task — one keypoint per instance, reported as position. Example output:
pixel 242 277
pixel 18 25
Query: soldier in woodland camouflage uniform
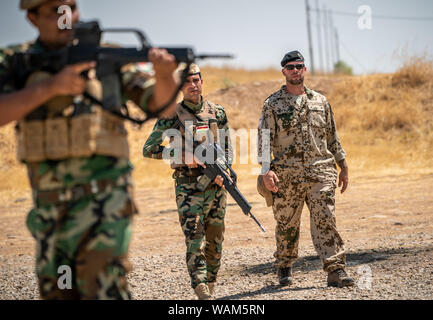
pixel 201 214
pixel 78 165
pixel 305 148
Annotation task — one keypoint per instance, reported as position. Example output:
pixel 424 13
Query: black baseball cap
pixel 292 56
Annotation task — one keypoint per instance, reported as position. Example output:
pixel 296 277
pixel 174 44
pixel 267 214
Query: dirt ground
pixel 385 219
pixel 385 216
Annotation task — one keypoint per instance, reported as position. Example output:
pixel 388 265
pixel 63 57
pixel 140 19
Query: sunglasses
pixel 293 66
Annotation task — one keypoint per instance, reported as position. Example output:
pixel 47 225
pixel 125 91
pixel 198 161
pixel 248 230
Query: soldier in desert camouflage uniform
pixel 83 204
pixel 201 214
pixel 305 148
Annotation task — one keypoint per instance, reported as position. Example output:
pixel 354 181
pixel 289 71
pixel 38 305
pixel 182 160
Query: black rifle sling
pixel 150 115
pixel 183 80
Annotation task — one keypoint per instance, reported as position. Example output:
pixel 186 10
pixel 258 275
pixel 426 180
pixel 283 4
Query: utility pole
pixel 309 36
pixel 337 44
pixel 331 39
pixel 325 28
pixel 319 36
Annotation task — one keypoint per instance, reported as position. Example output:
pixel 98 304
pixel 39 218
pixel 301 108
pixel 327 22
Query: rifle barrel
pixel 215 56
pixel 257 221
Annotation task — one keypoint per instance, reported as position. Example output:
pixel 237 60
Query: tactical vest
pixel 58 130
pixel 203 123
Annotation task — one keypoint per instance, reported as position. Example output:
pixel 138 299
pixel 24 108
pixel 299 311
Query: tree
pixel 342 67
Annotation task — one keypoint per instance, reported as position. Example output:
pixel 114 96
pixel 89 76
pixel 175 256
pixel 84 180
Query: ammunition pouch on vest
pixel 97 133
pixel 50 134
pixel 204 126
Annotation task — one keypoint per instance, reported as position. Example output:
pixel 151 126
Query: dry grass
pixel 416 71
pixel 385 122
pixel 388 117
pixel 224 78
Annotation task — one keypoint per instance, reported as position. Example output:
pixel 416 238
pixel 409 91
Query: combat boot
pixel 339 278
pixel 211 286
pixel 202 292
pixel 285 276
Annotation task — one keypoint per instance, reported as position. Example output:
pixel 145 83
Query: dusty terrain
pixel 385 217
pixel 386 221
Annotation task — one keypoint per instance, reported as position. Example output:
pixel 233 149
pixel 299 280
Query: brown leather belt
pixel 77 192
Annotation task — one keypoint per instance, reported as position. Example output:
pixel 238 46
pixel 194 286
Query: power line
pixel 353 57
pixel 343 13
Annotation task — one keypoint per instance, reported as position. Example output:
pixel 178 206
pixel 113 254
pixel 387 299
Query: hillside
pixel 385 121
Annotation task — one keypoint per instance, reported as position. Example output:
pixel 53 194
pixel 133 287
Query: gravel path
pixel 248 273
pixel 386 224
pixel 395 272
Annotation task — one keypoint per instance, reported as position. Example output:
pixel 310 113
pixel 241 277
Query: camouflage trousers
pixel 287 208
pixel 201 216
pixel 90 236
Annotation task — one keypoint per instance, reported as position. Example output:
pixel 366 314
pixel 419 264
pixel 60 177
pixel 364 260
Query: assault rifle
pixel 215 164
pixel 86 46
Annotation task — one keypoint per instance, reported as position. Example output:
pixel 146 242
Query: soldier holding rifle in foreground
pixel 76 153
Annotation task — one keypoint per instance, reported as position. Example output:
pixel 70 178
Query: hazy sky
pixel 258 32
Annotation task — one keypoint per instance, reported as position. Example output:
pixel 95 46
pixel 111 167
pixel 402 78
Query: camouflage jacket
pixel 153 146
pixel 303 141
pixel 50 175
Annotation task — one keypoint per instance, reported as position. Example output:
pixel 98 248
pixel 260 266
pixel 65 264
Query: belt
pixel 77 192
pixel 188 172
pixel 182 180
